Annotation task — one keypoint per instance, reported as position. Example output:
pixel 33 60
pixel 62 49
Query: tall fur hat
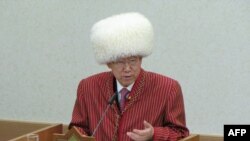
pixel 123 35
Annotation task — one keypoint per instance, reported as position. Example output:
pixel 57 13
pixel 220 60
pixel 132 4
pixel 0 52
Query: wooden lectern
pixel 72 135
pixel 13 130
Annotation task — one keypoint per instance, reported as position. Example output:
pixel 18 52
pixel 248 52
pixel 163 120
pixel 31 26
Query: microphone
pixel 110 102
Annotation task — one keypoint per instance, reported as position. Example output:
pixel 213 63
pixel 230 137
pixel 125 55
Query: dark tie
pixel 124 92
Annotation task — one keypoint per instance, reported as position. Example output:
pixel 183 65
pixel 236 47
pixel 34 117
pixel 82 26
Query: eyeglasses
pixel 133 61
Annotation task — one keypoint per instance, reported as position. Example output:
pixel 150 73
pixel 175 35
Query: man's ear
pixel 140 58
pixel 109 65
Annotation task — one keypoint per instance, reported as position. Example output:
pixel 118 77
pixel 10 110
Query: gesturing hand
pixel 142 135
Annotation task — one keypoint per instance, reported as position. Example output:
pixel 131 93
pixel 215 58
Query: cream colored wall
pixel 45 52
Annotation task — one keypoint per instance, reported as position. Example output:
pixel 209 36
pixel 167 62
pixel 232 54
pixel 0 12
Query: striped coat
pixel 154 98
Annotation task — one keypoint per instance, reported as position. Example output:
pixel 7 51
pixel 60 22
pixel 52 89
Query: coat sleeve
pixel 79 116
pixel 174 121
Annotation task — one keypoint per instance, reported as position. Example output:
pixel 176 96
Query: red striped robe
pixel 154 98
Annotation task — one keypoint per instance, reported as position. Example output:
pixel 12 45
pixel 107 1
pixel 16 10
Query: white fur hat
pixel 123 35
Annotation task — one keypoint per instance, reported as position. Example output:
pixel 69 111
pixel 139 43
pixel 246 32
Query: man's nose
pixel 127 66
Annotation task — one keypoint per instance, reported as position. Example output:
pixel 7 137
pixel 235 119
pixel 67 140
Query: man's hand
pixel 142 135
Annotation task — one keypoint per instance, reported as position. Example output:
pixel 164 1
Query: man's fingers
pixel 142 135
pixel 145 131
pixel 136 137
pixel 146 124
pixel 141 132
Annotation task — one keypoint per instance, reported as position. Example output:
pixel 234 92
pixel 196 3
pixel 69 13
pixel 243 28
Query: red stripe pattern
pixel 155 98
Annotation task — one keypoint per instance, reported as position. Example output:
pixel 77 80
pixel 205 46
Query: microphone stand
pixel 110 102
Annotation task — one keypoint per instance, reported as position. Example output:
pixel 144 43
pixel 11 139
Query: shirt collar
pixel 119 86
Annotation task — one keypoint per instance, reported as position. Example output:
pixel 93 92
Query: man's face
pixel 126 70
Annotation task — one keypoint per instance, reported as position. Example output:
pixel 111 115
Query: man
pixel 150 108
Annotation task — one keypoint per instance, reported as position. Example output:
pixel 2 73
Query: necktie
pixel 124 92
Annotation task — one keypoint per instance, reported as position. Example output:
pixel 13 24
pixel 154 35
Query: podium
pixel 192 137
pixel 11 130
pixel 72 135
pixel 202 137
